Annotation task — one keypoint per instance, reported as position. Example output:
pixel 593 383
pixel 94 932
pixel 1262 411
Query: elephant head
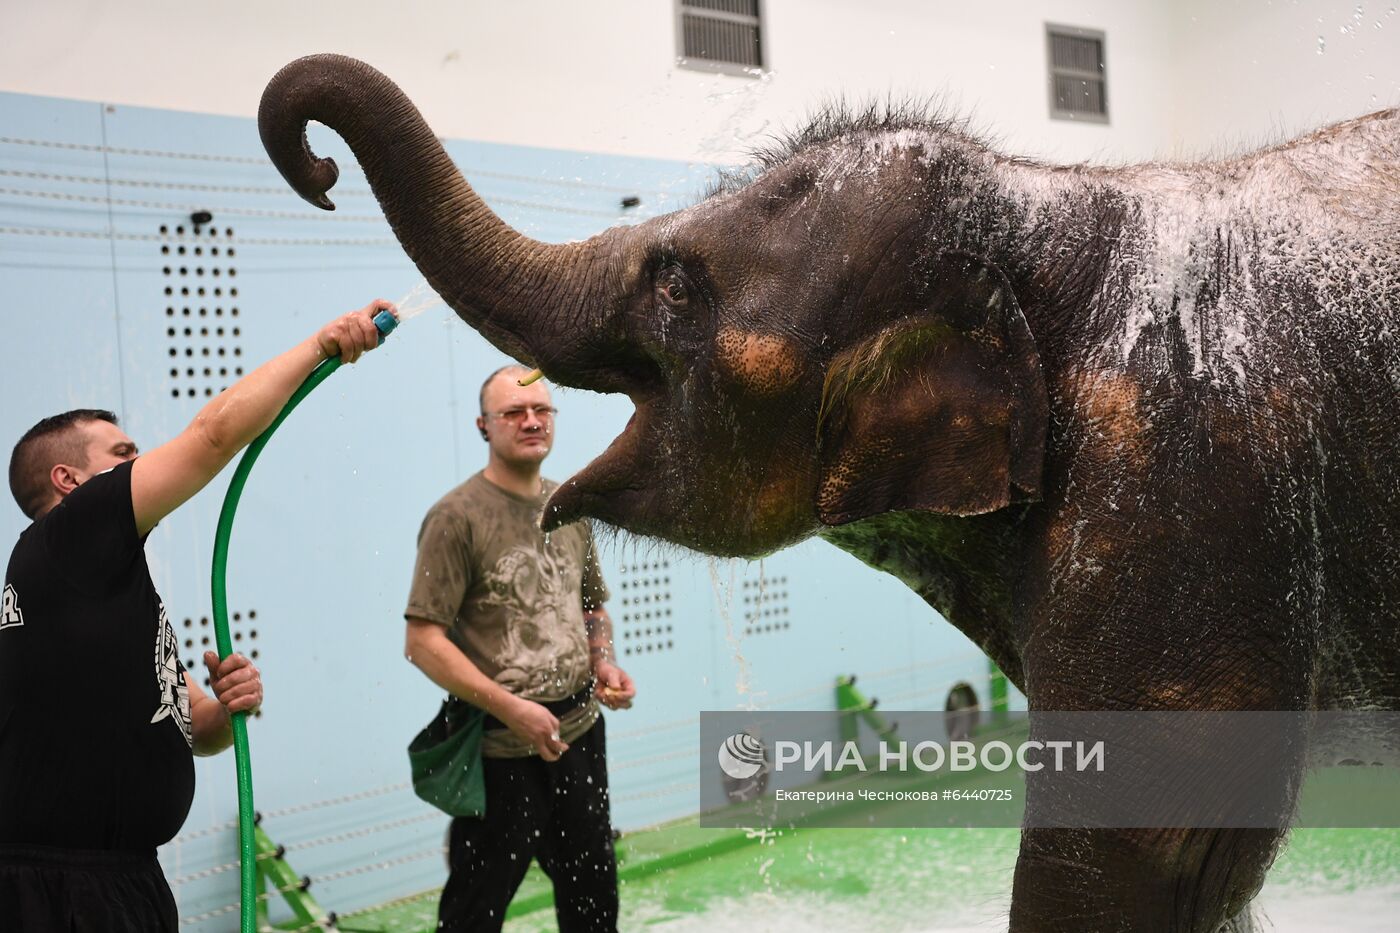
pixel 808 346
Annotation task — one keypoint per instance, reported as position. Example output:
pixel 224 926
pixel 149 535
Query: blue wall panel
pixel 324 545
pixel 59 310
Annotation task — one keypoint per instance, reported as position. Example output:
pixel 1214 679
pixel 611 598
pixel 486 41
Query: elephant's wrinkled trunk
pixel 539 302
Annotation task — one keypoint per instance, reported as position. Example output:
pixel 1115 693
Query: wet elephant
pixel 1131 429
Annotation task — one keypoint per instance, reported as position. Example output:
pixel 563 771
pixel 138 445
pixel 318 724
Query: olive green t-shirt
pixel 511 597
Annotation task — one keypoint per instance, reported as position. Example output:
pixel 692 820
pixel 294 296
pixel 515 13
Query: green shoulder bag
pixel 445 758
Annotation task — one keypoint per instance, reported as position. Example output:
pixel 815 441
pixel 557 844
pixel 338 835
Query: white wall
pixel 1185 76
pixel 988 58
pixel 601 76
pixel 1250 72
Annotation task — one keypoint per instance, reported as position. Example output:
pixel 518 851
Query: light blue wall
pixel 325 539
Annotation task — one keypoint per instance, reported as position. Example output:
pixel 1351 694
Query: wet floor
pixel 958 881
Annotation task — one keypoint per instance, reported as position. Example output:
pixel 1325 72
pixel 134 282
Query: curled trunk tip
pixel 295 96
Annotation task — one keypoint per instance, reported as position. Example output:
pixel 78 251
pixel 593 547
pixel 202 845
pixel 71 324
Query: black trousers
pixel 45 890
pixel 556 812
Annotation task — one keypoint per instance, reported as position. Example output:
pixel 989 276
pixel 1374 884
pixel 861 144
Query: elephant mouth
pixel 608 488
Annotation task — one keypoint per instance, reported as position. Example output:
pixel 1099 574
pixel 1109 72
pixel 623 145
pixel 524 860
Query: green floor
pixel 681 877
pixel 660 852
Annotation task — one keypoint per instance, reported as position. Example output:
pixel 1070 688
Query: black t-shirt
pixel 95 748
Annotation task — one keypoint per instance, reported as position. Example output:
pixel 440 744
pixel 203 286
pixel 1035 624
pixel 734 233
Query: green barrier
pixel 1000 693
pixel 273 868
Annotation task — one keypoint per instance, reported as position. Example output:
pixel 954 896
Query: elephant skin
pixel 1131 429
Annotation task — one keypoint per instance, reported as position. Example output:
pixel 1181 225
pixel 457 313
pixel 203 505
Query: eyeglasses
pixel 517 415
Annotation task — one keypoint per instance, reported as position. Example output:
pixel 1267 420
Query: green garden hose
pixel 247 854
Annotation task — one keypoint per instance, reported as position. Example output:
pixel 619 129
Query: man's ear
pixel 943 410
pixel 63 479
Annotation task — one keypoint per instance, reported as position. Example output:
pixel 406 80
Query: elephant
pixel 1131 429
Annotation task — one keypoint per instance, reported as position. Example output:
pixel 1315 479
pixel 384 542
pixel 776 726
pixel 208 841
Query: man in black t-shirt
pixel 94 777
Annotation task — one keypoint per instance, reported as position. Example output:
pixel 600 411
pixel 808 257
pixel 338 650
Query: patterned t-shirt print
pixel 170 677
pixel 11 616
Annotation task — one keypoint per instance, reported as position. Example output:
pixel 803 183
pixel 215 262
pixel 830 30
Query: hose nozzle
pixel 386 322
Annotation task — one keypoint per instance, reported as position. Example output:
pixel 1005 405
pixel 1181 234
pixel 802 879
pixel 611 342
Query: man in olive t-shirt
pixel 512 620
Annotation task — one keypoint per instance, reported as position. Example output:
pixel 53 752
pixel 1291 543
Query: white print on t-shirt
pixel 12 616
pixel 170 676
pixel 543 638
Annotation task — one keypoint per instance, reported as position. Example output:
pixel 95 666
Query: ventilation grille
pixel 645 621
pixel 202 327
pixel 721 32
pixel 1078 82
pixel 747 8
pixel 1079 96
pixel 197 637
pixel 766 606
pixel 1076 53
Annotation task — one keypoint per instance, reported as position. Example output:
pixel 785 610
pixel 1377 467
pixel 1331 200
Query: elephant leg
pixel 1166 619
pixel 1173 881
pixel 1200 876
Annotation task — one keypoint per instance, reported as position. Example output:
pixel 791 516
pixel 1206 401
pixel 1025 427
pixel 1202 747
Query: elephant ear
pixel 943 410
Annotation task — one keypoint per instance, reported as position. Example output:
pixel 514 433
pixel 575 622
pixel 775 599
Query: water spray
pixel 421 297
pixel 247 852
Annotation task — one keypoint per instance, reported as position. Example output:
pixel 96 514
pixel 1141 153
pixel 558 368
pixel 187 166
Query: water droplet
pixel 1321 45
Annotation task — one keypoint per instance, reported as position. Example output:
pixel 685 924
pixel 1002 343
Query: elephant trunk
pixel 538 302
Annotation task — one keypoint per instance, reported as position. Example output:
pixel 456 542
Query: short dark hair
pixel 481 396
pixel 51 441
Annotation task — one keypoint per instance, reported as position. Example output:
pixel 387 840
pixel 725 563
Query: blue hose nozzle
pixel 386 322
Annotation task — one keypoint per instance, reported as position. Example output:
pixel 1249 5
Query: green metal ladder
pixel 276 876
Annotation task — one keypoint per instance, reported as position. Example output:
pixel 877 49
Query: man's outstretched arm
pixel 165 478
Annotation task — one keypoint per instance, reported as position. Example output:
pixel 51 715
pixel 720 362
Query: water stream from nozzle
pixel 419 298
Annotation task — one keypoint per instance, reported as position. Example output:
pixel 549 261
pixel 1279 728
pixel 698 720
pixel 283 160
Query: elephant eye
pixel 673 288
